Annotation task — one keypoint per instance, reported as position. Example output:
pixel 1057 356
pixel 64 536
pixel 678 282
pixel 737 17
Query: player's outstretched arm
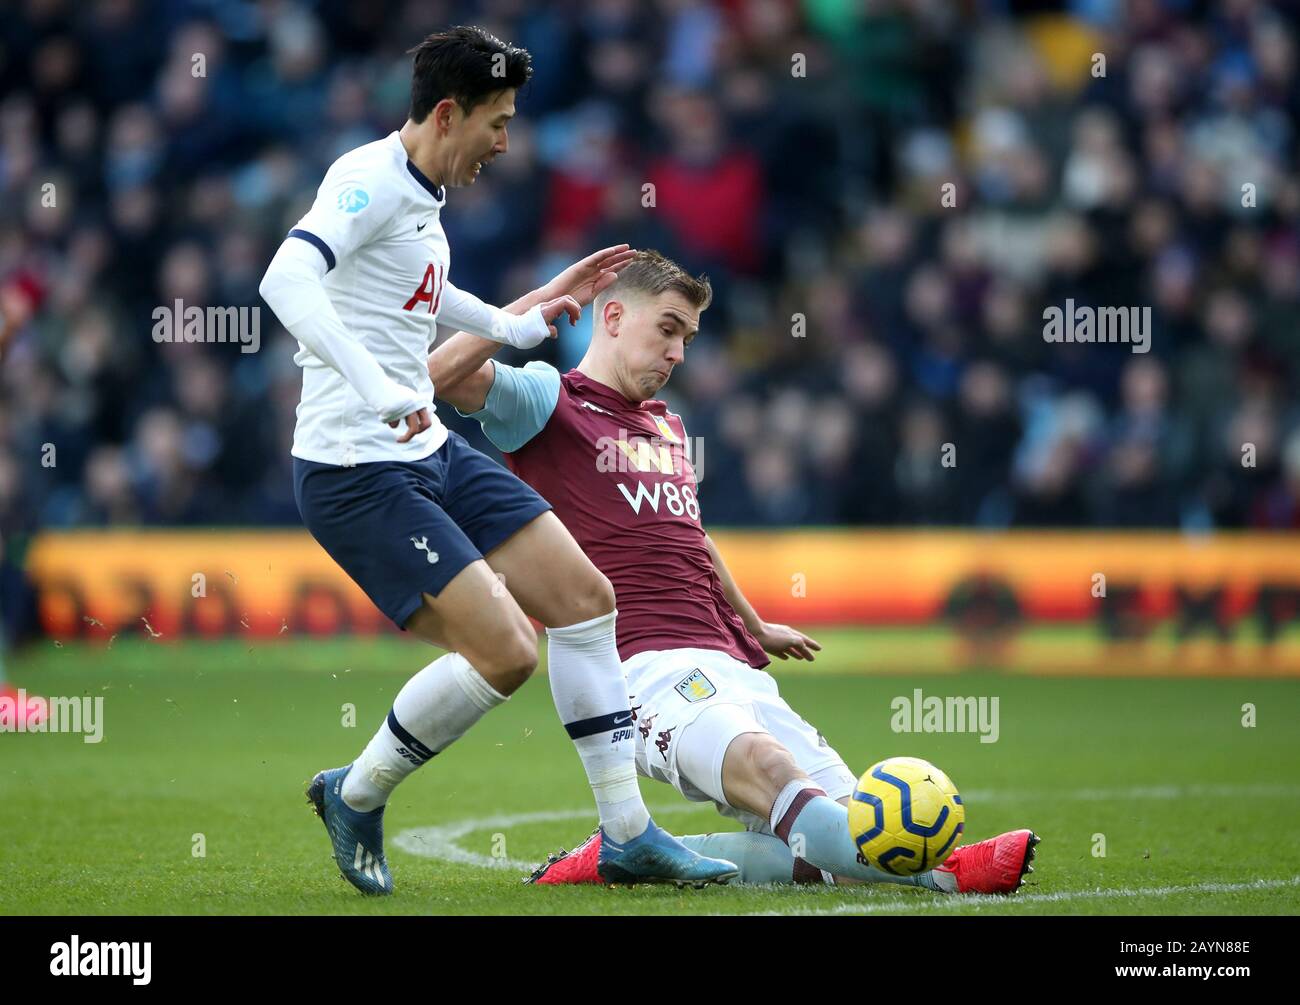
pixel 459 366
pixel 781 641
pixel 466 312
pixel 461 370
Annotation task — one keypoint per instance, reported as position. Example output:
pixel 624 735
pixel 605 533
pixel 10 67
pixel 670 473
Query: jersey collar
pixel 438 192
pixel 595 389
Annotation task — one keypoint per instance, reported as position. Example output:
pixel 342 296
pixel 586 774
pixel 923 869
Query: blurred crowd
pixel 885 194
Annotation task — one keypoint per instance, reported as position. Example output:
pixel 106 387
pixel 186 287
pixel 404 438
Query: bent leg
pixel 547 573
pixel 718 754
pixel 759 775
pixel 476 618
pixel 550 576
pixel 495 650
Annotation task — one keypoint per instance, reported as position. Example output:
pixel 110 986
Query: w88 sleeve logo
pixel 676 501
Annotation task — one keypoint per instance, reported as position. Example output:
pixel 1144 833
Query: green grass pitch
pixel 1199 813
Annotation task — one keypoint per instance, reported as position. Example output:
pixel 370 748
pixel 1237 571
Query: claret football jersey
pixel 620 478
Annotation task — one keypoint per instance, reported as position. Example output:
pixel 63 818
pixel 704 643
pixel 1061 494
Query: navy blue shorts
pixel 404 528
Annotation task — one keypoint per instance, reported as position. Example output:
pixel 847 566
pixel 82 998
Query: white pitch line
pixel 942 903
pixel 441 841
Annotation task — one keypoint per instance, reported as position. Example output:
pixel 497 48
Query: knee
pixel 755 769
pixel 600 595
pixel 769 763
pixel 512 661
pixel 592 597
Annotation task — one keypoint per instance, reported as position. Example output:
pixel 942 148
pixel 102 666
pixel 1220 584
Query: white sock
pixel 590 695
pixel 434 709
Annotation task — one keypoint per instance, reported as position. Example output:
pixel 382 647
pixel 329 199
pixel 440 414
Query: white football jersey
pixel 376 223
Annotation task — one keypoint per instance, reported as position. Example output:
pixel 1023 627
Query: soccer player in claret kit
pixel 422 522
pixel 710 722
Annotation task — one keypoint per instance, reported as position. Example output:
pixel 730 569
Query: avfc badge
pixel 666 429
pixel 696 687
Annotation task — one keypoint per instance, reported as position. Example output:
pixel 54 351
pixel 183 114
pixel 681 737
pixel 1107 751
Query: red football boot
pixel 26 714
pixel 997 865
pixel 569 867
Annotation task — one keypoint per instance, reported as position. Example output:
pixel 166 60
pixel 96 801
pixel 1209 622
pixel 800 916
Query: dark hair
pixel 467 64
pixel 652 273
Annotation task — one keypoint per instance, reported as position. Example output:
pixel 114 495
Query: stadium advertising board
pixel 1038 602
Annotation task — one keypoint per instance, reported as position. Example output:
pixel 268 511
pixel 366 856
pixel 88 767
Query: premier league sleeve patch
pixel 696 687
pixel 353 200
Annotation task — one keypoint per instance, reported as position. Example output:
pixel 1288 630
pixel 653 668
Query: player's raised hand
pixel 782 641
pixel 584 279
pixel 552 309
pixel 416 423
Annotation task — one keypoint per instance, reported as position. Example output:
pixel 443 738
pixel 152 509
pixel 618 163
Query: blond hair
pixel 652 273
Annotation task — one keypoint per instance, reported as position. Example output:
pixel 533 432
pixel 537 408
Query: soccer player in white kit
pixel 422 522
pixel 612 460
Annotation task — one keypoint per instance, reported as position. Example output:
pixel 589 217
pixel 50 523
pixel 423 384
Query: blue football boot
pixel 655 856
pixel 358 838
